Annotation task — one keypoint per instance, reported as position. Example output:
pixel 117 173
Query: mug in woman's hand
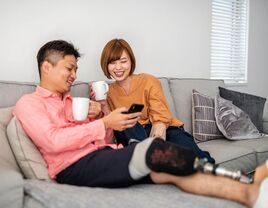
pixel 100 89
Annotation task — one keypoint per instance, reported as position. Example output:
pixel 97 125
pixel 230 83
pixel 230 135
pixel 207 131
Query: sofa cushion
pixel 259 146
pixel 11 188
pixel 251 104
pixel 233 122
pixel 203 118
pixel 231 154
pixel 141 196
pixel 181 91
pixel 7 158
pixel 265 125
pixel 27 155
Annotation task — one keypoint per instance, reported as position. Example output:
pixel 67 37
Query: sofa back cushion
pixel 7 158
pixel 10 92
pixel 27 155
pixel 181 91
pixel 165 85
pixel 80 89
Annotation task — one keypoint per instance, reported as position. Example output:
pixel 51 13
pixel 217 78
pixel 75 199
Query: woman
pixel 118 63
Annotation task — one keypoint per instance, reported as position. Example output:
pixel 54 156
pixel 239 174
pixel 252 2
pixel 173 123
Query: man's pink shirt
pixel 48 121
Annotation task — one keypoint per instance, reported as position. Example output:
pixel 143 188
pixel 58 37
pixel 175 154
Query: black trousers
pixel 176 135
pixel 102 168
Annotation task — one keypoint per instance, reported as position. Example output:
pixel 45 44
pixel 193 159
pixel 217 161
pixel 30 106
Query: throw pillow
pixel 203 118
pixel 28 156
pixel 7 158
pixel 233 122
pixel 250 104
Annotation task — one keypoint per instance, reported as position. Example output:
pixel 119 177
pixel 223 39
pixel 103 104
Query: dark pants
pixel 175 135
pixel 102 168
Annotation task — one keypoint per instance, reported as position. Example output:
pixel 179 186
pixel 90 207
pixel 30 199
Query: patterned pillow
pixel 203 118
pixel 233 122
pixel 251 104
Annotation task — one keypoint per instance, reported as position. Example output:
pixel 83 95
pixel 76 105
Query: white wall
pixel 169 37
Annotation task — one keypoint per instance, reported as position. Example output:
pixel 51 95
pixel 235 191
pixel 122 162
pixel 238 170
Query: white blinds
pixel 229 37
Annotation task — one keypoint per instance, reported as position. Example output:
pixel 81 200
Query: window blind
pixel 229 38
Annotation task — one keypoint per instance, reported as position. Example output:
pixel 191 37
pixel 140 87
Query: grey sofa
pixel 17 191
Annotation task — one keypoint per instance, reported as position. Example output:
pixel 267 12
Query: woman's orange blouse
pixel 147 90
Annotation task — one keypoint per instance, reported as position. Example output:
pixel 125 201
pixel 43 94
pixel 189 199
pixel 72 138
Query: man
pixel 83 153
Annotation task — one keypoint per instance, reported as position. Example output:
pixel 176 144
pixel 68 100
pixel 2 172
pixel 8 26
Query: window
pixel 229 40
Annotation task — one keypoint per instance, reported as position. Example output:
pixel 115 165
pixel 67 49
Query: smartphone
pixel 135 107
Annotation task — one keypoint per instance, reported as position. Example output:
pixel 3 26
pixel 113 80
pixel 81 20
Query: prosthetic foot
pixel 204 166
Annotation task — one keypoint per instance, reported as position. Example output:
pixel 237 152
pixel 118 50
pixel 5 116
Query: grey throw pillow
pixel 250 104
pixel 233 122
pixel 7 158
pixel 203 118
pixel 27 154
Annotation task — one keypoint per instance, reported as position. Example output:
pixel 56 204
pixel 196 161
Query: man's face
pixel 61 76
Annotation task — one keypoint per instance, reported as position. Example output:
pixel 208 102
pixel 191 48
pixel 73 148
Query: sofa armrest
pixel 11 188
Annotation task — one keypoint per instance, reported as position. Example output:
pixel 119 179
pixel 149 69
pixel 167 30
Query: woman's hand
pixel 158 130
pixel 94 109
pixel 91 93
pixel 104 105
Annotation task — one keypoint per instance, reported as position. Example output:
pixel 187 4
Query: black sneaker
pixel 170 158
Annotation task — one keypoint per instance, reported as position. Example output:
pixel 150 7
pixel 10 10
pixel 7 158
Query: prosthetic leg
pixel 166 157
pixel 204 166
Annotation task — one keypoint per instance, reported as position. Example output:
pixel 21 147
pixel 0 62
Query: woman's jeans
pixel 175 135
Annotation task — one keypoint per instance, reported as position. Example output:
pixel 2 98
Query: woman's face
pixel 120 68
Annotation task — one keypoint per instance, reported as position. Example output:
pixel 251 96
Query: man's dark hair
pixel 55 47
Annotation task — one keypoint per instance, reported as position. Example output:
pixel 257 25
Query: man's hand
pixel 94 109
pixel 119 121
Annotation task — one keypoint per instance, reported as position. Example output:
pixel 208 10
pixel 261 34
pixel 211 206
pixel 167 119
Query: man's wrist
pixel 104 119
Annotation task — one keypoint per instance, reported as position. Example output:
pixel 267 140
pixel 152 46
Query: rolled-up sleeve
pixel 158 107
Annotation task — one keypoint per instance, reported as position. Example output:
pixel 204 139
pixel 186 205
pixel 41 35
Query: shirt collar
pixel 46 93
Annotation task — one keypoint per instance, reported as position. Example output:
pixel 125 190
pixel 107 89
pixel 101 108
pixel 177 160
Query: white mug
pixel 80 107
pixel 100 88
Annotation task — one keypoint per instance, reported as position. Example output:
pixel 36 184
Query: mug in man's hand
pixel 80 107
pixel 100 88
